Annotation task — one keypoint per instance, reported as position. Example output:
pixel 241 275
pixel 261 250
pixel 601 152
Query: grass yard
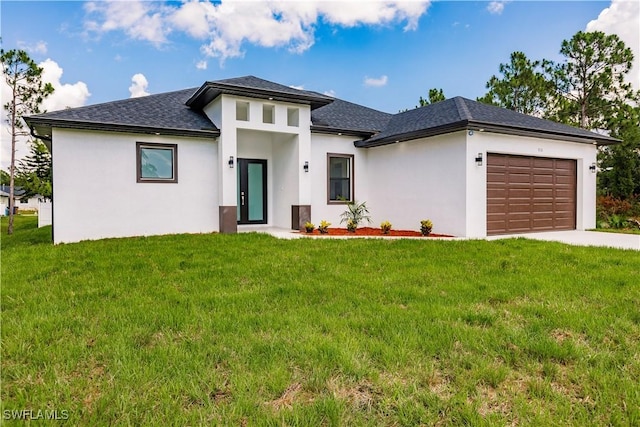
pixel 250 330
pixel 619 230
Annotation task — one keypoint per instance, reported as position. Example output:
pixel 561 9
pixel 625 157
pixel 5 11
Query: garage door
pixel 526 194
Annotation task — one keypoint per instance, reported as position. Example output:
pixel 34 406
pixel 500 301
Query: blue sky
pixel 381 54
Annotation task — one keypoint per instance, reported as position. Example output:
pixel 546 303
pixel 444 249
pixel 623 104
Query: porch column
pixel 301 212
pixel 227 178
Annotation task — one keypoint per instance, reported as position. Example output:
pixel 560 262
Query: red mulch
pixel 370 231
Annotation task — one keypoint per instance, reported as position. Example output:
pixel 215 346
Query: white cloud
pixel 201 65
pixel 621 18
pixel 330 92
pixel 64 95
pixel 496 7
pixel 39 47
pixel 226 26
pixel 299 87
pixel 140 20
pixel 376 82
pixel 138 86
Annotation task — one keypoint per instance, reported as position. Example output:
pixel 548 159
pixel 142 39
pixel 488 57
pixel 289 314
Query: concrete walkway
pixel 582 238
pixel 574 237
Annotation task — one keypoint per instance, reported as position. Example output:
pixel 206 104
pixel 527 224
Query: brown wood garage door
pixel 526 194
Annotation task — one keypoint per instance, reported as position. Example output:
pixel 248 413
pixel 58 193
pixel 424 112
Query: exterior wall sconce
pixel 306 166
pixel 479 159
pixel 592 168
pixel 231 162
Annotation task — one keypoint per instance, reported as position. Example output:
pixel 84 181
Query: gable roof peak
pixel 255 87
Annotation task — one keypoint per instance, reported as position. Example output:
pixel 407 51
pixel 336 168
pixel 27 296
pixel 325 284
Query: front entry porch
pixel 271 186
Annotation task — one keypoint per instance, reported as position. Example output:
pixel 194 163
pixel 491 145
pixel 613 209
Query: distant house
pixel 27 203
pixel 245 151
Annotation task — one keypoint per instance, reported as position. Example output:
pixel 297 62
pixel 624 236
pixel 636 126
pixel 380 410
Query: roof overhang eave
pixel 211 90
pixel 422 133
pixel 488 127
pixel 340 131
pixel 593 139
pixel 42 128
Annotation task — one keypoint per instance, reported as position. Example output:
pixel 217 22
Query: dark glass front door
pixel 252 191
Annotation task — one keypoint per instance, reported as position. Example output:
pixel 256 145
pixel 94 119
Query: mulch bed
pixel 370 231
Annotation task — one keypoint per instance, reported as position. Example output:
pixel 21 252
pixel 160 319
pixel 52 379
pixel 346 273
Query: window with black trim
pixel 156 162
pixel 340 176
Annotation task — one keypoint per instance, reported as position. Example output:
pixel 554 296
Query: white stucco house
pixel 245 151
pixel 21 203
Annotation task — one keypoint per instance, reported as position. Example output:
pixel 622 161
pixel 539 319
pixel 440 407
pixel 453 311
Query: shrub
pixel 355 214
pixel 385 227
pixel 309 227
pixel 323 228
pixel 426 226
pixel 609 205
pixel 351 226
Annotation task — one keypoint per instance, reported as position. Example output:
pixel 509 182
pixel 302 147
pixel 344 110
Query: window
pixel 157 162
pixel 242 111
pixel 340 173
pixel 268 114
pixel 293 118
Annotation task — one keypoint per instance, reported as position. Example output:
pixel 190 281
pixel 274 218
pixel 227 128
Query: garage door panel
pixel 565 180
pixel 543 163
pixel 542 223
pixel 496 193
pixel 565 193
pixel 543 193
pixel 519 177
pixel 518 193
pixel 515 162
pixel 516 208
pixel 542 208
pixel 530 194
pixel 543 178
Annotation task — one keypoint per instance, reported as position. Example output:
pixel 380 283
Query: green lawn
pixel 250 330
pixel 619 230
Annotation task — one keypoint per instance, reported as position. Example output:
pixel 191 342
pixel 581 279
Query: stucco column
pixel 227 176
pixel 301 212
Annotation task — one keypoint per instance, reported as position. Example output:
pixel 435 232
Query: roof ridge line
pixel 462 108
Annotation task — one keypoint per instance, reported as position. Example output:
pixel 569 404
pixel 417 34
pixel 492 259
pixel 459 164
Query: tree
pixel 435 95
pixel 523 87
pixel 620 164
pixel 34 171
pixel 591 92
pixel 24 78
pixel 590 84
pixel 4 178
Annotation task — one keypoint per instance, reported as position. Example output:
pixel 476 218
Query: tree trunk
pixel 12 166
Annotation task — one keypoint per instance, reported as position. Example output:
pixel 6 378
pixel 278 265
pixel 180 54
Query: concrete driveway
pixel 583 238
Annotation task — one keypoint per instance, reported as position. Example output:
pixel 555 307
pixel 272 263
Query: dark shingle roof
pixel 180 113
pixel 460 113
pixel 5 190
pixel 345 116
pixel 164 112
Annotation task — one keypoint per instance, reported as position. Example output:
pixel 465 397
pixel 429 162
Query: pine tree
pixel 24 78
pixel 34 171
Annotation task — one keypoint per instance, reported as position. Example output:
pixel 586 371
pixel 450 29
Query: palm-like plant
pixel 355 214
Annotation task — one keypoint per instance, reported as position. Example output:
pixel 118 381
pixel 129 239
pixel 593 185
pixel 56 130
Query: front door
pixel 252 191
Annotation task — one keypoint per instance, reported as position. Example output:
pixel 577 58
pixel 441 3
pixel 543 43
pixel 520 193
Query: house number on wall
pixel 540 150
